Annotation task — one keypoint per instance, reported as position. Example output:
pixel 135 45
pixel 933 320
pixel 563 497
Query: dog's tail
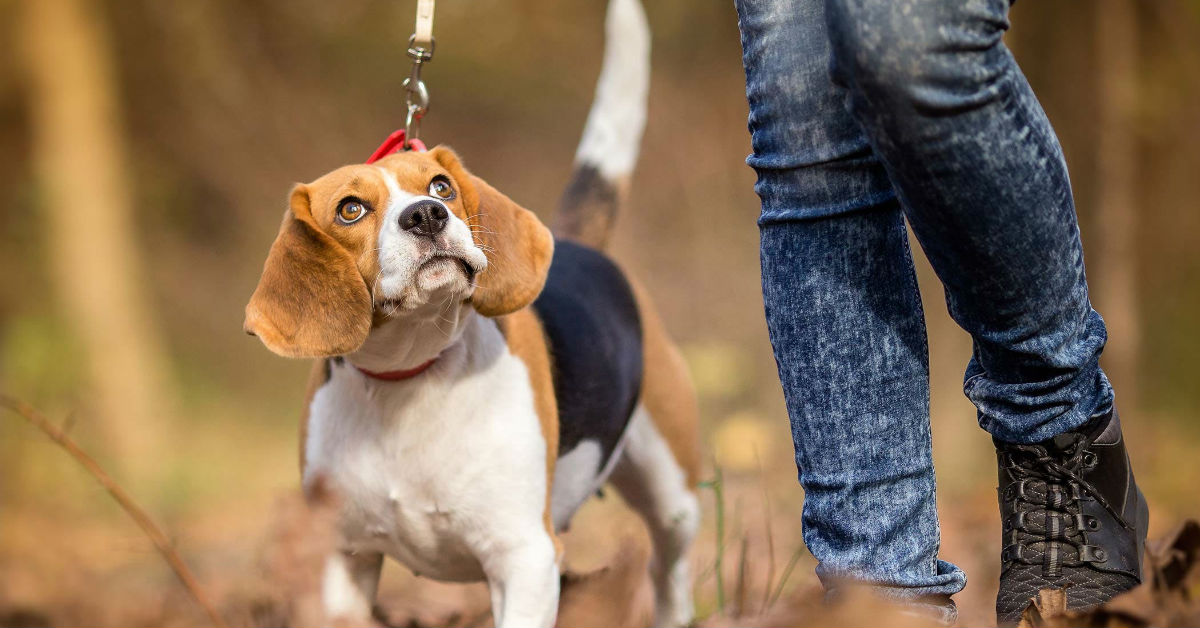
pixel 608 150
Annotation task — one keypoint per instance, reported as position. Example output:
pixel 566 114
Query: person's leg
pixel 984 185
pixel 844 316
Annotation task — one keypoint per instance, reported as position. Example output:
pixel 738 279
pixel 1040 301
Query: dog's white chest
pixel 432 470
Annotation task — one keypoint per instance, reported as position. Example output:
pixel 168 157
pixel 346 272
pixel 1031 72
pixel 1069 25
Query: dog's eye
pixel 350 210
pixel 440 188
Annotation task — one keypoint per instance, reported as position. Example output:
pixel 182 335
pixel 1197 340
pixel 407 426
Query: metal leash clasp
pixel 416 95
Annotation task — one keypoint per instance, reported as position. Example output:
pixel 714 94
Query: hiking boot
pixel 1072 517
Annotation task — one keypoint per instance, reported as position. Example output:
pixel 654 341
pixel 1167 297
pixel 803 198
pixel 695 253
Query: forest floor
pixel 260 560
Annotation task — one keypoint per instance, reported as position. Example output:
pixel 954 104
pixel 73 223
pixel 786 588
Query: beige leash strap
pixel 423 34
pixel 420 50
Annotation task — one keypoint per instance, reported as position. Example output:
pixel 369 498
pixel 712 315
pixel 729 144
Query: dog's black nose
pixel 424 218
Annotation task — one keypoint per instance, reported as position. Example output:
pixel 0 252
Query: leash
pixel 416 96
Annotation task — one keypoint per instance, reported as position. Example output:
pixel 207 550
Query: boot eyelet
pixel 1090 460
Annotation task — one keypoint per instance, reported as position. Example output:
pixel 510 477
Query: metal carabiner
pixel 418 53
pixel 416 95
pixel 412 126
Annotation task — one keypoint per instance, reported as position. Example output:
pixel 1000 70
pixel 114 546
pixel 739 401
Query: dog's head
pixel 368 243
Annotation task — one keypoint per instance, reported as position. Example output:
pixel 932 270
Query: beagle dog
pixel 477 378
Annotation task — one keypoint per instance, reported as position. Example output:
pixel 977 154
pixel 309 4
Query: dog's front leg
pixel 349 585
pixel 523 579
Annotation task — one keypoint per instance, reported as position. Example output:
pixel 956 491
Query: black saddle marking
pixel 594 336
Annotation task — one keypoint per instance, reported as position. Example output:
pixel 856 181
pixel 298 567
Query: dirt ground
pixel 70 557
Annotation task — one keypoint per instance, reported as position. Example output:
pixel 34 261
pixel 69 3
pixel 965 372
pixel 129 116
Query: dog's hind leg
pixel 652 481
pixel 660 465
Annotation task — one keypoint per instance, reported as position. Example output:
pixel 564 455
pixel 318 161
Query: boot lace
pixel 1047 526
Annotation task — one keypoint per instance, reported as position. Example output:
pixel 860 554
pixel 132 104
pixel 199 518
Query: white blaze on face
pixel 416 270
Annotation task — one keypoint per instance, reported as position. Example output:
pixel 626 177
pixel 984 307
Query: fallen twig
pixel 139 516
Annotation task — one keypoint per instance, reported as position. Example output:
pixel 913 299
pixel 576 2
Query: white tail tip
pixel 613 133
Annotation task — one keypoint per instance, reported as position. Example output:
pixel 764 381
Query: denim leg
pixel 843 313
pixel 983 182
pixel 845 320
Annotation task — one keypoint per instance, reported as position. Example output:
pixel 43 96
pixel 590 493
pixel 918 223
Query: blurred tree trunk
pixel 1116 210
pixel 81 164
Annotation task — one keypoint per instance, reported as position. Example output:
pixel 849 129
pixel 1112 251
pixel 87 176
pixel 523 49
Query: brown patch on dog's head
pixel 312 300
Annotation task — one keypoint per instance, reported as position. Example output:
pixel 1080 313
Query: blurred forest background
pixel 146 150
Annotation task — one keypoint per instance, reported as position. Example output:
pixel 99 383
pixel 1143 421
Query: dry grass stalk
pixel 766 495
pixel 739 587
pixel 139 516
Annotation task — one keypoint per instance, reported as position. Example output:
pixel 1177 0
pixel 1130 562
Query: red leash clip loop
pixel 395 144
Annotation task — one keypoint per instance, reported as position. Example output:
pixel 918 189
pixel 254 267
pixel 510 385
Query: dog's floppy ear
pixel 518 246
pixel 312 300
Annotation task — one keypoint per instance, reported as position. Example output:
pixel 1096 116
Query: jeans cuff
pixel 932 610
pixel 926 597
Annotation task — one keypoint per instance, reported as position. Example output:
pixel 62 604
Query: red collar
pixel 395 376
pixel 395 144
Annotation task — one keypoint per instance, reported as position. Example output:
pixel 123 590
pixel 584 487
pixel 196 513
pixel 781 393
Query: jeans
pixel 865 113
